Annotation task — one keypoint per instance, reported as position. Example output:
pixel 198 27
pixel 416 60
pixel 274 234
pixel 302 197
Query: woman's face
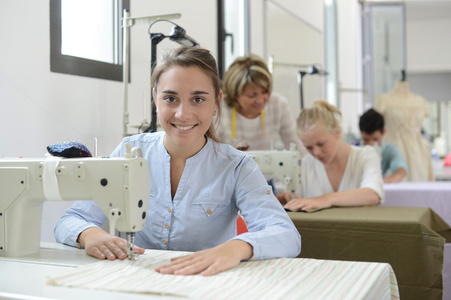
pixel 186 104
pixel 321 144
pixel 252 100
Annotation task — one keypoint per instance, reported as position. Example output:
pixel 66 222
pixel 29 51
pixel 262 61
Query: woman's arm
pixel 397 176
pixel 354 197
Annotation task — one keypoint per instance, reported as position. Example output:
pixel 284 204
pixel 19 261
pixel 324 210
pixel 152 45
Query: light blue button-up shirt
pixel 216 183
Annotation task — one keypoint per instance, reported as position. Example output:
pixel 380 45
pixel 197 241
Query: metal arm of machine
pixel 119 185
pixel 285 164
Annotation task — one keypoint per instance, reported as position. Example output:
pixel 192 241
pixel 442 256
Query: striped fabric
pixel 284 278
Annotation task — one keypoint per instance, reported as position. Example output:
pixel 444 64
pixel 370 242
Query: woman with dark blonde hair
pixel 333 173
pixel 252 114
pixel 197 185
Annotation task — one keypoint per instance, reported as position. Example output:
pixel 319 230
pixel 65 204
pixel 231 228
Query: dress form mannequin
pixel 404 113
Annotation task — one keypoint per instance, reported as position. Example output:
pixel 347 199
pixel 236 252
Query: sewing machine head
pixel 120 186
pixel 284 164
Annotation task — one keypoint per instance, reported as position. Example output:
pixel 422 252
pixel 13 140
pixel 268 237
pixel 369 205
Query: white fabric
pixel 49 179
pixel 363 170
pixel 404 113
pixel 280 127
pixel 270 279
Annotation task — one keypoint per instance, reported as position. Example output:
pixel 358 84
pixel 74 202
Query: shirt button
pixel 209 211
pixel 268 192
pixel 165 241
pixel 167 225
pixel 169 209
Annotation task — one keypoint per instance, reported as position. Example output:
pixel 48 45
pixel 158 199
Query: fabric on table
pixel 436 195
pixel 405 237
pixel 308 279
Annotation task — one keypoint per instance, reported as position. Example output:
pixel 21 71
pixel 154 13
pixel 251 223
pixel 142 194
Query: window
pixel 86 37
pixel 233 32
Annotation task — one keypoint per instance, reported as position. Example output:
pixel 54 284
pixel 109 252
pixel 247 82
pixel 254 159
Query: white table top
pixel 26 277
pixel 433 194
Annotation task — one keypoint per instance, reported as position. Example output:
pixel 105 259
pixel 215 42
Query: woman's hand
pixel 211 261
pixel 307 203
pixel 102 245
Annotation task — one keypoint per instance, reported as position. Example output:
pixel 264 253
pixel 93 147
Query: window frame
pixel 60 63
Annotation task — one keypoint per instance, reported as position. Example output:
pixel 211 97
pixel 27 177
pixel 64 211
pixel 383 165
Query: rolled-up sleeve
pixel 271 233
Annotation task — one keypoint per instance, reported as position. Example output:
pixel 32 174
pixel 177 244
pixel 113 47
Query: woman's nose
pixel 182 111
pixel 316 151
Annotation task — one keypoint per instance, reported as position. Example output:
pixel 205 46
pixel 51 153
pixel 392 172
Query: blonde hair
pixel 192 57
pixel 320 114
pixel 251 69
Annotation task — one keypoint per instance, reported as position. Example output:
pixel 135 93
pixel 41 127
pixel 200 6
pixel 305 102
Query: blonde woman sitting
pixel 333 173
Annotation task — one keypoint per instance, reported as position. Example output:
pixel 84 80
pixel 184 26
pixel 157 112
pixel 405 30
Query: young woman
pixel 333 173
pixel 252 114
pixel 197 184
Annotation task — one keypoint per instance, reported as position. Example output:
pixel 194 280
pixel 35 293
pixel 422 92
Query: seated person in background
pixel 252 116
pixel 333 173
pixel 197 184
pixel 372 128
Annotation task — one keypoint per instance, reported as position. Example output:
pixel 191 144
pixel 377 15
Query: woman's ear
pixel 338 132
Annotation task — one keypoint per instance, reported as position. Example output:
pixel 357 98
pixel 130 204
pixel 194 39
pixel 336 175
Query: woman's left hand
pixel 307 203
pixel 211 261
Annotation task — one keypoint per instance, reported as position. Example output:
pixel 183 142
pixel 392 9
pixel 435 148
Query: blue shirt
pixel 216 183
pixel 392 159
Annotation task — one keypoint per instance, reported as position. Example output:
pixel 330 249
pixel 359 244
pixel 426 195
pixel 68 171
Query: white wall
pixel 39 108
pixel 292 34
pixel 428 38
pixel 349 64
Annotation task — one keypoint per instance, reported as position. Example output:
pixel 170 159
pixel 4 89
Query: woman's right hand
pixel 102 245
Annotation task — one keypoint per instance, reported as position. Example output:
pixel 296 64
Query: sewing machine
pixel 119 185
pixel 284 164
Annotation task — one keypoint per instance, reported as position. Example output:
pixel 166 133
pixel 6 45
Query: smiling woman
pixel 198 185
pixel 252 114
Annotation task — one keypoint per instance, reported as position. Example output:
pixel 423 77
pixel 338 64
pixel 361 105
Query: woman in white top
pixel 252 117
pixel 333 173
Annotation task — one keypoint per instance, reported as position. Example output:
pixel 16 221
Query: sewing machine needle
pixel 131 254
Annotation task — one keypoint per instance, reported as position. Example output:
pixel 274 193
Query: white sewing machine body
pixel 285 164
pixel 120 186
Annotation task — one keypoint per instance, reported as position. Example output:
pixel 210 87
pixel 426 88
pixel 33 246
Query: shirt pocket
pixel 210 208
pixel 211 222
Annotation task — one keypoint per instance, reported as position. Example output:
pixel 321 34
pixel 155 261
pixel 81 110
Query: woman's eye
pixel 169 99
pixel 198 100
